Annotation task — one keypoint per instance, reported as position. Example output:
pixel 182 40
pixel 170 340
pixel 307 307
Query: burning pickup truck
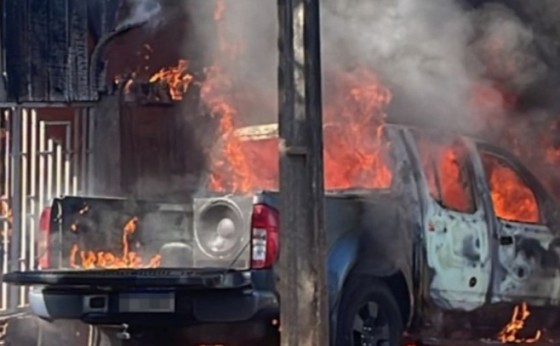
pixel 442 239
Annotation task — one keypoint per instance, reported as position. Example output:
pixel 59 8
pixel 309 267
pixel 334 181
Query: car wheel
pixel 368 315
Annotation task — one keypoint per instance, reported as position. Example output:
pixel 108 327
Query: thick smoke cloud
pixel 244 36
pixel 419 49
pixel 432 54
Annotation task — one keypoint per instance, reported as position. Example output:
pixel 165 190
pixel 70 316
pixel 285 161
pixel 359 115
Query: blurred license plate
pixel 147 302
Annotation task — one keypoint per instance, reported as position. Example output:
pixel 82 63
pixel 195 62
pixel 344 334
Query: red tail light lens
pixel 44 234
pixel 264 236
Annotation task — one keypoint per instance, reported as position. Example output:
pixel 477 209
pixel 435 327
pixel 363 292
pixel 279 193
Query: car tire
pixel 368 315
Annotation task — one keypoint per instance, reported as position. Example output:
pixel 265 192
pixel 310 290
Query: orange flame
pixel 511 198
pixel 231 161
pixel 509 332
pixel 217 93
pixel 355 152
pixel 448 186
pixel 176 77
pixel 107 260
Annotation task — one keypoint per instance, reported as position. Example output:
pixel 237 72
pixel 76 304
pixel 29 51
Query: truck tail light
pixel 43 241
pixel 264 236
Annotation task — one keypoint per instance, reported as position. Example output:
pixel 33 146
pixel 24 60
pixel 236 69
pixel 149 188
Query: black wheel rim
pixel 370 326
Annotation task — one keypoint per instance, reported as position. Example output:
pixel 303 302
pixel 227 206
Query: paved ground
pixel 30 331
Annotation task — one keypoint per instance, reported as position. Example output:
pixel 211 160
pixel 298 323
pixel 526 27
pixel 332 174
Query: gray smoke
pixel 418 48
pixel 141 11
pixel 248 27
pixel 430 53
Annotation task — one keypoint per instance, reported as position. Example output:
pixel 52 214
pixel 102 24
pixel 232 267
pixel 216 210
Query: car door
pixel 456 236
pixel 528 261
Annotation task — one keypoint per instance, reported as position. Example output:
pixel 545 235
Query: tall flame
pixel 231 161
pixel 355 152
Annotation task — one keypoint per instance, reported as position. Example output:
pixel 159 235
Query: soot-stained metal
pixel 48 44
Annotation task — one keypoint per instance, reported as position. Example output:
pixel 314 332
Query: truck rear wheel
pixel 368 315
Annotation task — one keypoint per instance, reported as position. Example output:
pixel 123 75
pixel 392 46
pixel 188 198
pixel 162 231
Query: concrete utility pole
pixel 302 284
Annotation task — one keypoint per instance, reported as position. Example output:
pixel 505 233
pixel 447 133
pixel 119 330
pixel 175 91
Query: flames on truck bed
pixel 83 259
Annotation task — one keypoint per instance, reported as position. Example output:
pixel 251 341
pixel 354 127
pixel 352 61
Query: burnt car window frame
pixel 466 166
pixel 530 181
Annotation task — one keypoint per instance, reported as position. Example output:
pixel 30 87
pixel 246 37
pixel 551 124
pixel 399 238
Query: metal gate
pixel 45 153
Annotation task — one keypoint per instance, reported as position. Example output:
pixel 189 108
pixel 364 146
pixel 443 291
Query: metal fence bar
pixel 87 150
pixel 15 240
pixel 42 164
pixel 33 189
pixel 68 152
pixel 58 169
pixel 37 165
pixel 23 233
pixel 6 227
pixel 90 154
pixel 50 175
pixel 75 153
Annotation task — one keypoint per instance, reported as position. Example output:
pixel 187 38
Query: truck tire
pixel 368 315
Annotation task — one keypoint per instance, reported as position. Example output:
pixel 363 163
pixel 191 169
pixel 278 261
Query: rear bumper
pixel 191 307
pixel 200 317
pixel 205 307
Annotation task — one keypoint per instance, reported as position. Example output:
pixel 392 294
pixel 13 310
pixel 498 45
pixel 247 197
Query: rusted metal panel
pixel 39 49
pixel 78 51
pixel 102 16
pixel 46 49
pixel 58 53
pixel 15 43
